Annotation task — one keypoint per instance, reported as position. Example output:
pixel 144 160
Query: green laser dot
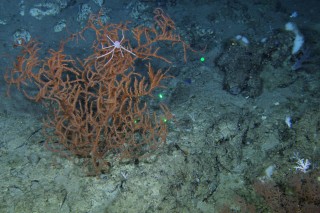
pixel 202 59
pixel 160 96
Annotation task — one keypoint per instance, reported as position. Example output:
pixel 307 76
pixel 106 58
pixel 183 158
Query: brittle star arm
pixel 112 51
pixel 127 50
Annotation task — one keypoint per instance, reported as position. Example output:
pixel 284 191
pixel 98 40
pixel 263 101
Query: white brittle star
pixel 115 45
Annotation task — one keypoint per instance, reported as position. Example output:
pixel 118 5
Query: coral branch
pixel 100 103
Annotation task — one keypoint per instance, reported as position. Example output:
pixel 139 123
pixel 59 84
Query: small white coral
pixel 44 9
pixel 303 165
pixel 84 12
pixel 99 2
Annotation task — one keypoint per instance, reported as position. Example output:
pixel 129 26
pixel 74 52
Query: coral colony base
pixel 100 103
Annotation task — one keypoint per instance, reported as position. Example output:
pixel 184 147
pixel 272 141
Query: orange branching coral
pixel 99 103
